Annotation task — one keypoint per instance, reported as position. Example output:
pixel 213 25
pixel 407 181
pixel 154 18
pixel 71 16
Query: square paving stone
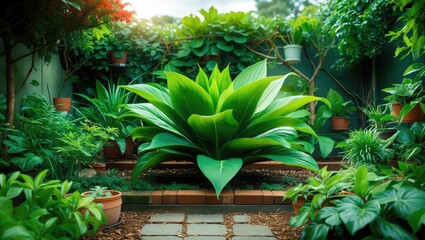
pixel 204 238
pixel 241 218
pixel 167 217
pixel 205 218
pixel 251 230
pixel 206 229
pixel 254 238
pixel 161 230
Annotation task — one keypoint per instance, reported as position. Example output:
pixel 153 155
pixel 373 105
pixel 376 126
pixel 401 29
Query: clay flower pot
pixel 111 205
pixel 116 58
pixel 62 104
pixel 340 123
pixel 415 115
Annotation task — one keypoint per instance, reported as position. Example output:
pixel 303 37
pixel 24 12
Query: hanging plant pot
pixel 415 115
pixel 340 123
pixel 111 150
pixel 62 104
pixel 292 53
pixel 118 57
pixel 98 167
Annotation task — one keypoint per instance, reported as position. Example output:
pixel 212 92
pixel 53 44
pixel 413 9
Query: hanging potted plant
pixel 340 110
pixel 111 201
pixel 119 43
pixel 406 99
pixel 294 38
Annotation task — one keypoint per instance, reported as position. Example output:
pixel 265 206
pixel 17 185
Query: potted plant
pixel 119 43
pixel 380 119
pixel 107 109
pixel 406 99
pixel 409 145
pixel 365 147
pixel 293 40
pixel 340 110
pixel 318 191
pixel 111 201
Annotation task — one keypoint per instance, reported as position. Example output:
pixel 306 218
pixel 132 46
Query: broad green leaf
pixel 7 206
pixel 290 157
pixel 417 219
pixel 276 122
pixel 150 92
pixel 169 140
pixel 145 133
pixel 214 128
pixel 243 146
pixel 219 172
pixel 245 99
pixel 404 201
pixel 390 230
pixel 121 144
pixel 28 162
pixel 356 214
pixel 187 97
pixel 329 215
pixel 251 74
pixel 326 145
pixel 317 231
pixel 153 115
pixel 361 181
pixel 270 94
pixel 202 79
pixel 286 105
pixel 302 217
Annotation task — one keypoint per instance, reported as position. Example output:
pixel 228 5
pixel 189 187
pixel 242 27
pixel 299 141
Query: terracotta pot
pixel 415 115
pixel 111 205
pixel 98 167
pixel 111 150
pixel 62 104
pixel 298 205
pixel 118 60
pixel 339 123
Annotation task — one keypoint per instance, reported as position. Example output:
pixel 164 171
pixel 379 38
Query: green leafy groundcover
pixel 185 179
pixel 221 124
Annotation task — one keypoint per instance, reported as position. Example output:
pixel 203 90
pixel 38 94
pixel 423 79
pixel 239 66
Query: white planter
pixel 292 53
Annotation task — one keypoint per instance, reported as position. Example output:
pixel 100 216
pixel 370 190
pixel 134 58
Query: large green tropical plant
pixel 222 124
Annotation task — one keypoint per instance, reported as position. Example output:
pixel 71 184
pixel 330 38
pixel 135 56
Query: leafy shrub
pixel 36 209
pixel 365 147
pixel 396 213
pixel 109 180
pixel 221 125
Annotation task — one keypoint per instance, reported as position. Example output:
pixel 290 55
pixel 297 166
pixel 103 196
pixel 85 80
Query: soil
pixel 132 223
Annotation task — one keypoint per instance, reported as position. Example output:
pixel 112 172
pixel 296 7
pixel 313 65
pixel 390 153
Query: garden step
pixel 205 218
pixel 241 218
pixel 205 197
pixel 206 230
pixel 161 229
pixel 252 230
pixel 167 217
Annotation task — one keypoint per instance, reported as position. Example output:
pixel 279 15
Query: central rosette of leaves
pixel 221 124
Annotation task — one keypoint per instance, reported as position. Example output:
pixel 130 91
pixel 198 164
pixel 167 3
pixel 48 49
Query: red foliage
pixel 103 11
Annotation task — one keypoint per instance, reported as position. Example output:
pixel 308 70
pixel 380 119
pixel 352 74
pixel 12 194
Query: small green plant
pixel 406 92
pixel 409 145
pixel 379 117
pixel 395 213
pixel 339 107
pixel 365 147
pixel 98 191
pixel 33 208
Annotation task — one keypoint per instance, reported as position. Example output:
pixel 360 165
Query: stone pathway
pixel 170 226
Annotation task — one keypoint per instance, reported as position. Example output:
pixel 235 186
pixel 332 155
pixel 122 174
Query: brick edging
pixel 206 197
